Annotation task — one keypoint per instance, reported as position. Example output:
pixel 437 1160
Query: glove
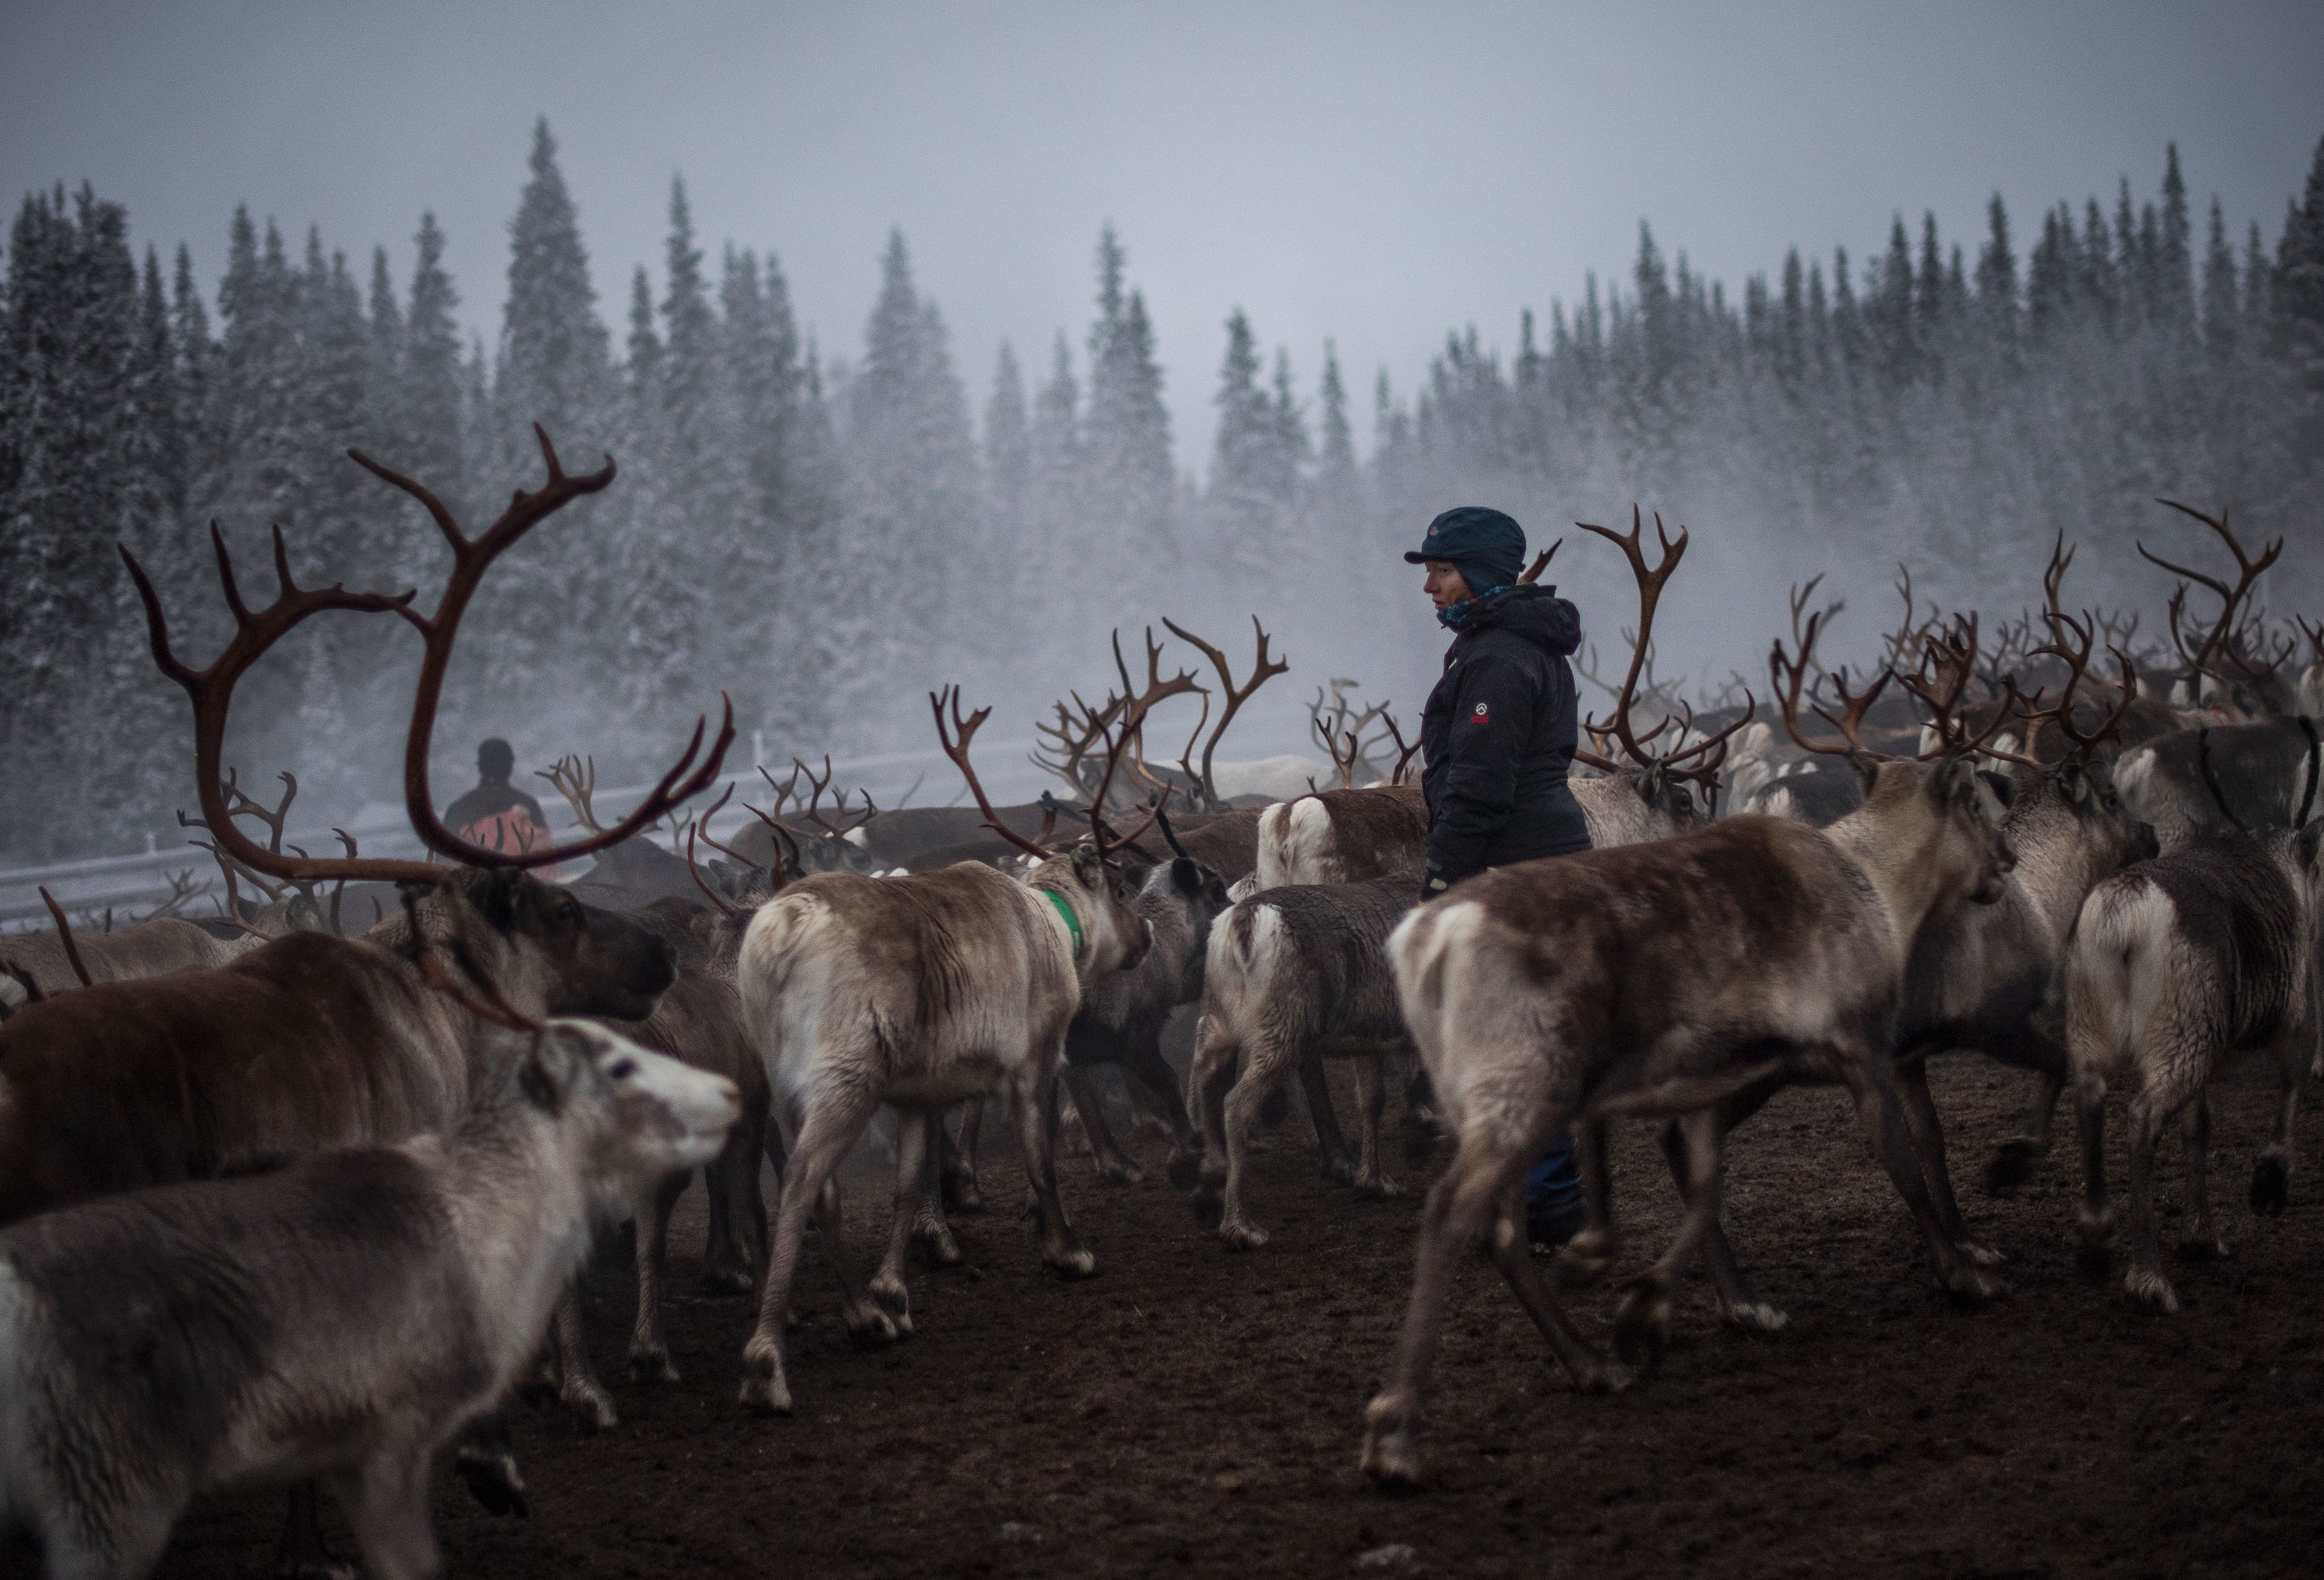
pixel 1433 884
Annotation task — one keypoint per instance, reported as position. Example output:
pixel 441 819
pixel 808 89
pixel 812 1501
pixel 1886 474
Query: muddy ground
pixel 1193 1411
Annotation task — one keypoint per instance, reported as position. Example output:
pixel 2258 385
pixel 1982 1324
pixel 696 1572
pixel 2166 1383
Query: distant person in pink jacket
pixel 497 814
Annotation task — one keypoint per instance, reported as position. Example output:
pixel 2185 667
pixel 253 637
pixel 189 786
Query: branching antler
pixel 1262 670
pixel 1790 675
pixel 2222 640
pixel 576 781
pixel 211 689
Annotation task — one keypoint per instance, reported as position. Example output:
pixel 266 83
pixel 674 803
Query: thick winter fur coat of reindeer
pixel 918 991
pixel 341 1317
pixel 1694 978
pixel 2179 966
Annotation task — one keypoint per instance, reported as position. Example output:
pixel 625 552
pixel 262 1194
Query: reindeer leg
pixel 961 1179
pixel 648 1355
pixel 1584 1260
pixel 1869 1073
pixel 2095 1217
pixel 1262 1071
pixel 1592 1373
pixel 888 1286
pixel 1740 1305
pixel 1033 1098
pixel 1371 1104
pixel 386 1501
pixel 1208 1077
pixel 1418 1124
pixel 1929 1140
pixel 2012 1163
pixel 733 1269
pixel 834 1119
pixel 2271 1185
pixel 2143 1277
pixel 1338 1164
pixel 1479 1186
pixel 578 1389
pixel 302 1553
pixel 2202 1242
pixel 1112 1163
pixel 1642 1325
pixel 1146 1068
pixel 930 1231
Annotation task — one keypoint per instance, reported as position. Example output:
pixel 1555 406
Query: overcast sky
pixel 1378 174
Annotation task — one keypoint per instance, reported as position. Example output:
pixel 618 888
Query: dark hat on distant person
pixel 1484 544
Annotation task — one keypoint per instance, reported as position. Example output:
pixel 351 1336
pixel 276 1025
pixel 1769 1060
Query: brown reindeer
pixel 921 992
pixel 1692 978
pixel 315 1041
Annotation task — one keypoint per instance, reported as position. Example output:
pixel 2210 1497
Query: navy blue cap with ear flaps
pixel 1485 545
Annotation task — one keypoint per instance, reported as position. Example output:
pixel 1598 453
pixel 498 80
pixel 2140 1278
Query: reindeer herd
pixel 287 1199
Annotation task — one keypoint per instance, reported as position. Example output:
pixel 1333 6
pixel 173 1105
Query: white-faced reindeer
pixel 2179 966
pixel 1694 978
pixel 920 992
pixel 341 1317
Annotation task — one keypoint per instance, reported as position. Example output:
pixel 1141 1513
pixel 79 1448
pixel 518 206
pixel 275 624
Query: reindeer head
pixel 544 949
pixel 643 1115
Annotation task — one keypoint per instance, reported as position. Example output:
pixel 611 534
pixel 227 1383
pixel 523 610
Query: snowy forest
pixel 827 532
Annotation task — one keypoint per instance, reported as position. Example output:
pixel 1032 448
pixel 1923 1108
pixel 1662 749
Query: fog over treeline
pixel 828 531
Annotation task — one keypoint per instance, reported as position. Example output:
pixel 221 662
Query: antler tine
pixel 700 826
pixel 1263 669
pixel 1540 563
pixel 1789 677
pixel 1711 749
pixel 2221 638
pixel 1651 582
pixel 578 786
pixel 783 835
pixel 1403 752
pixel 954 742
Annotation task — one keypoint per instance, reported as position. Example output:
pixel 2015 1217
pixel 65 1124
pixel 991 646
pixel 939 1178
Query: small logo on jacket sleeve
pixel 1480 715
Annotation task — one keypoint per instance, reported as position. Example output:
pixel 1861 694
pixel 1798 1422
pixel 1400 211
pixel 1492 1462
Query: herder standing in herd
pixel 1498 737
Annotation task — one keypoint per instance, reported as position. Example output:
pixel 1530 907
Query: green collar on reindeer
pixel 1073 923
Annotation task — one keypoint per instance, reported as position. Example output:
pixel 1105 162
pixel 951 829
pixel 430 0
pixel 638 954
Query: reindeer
pixel 62 961
pixel 2178 966
pixel 1691 977
pixel 313 1041
pixel 2221 667
pixel 343 1317
pixel 920 992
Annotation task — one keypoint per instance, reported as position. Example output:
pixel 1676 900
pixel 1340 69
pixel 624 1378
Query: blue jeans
pixel 1554 1181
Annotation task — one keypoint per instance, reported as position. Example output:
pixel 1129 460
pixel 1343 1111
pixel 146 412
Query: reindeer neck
pixel 521 1212
pixel 1070 913
pixel 2055 867
pixel 1901 869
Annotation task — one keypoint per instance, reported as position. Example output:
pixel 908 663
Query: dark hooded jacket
pixel 1498 737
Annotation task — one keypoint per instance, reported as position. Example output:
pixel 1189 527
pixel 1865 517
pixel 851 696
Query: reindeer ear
pixel 2073 783
pixel 2305 844
pixel 1868 771
pixel 542 1076
pixel 1650 786
pixel 2004 788
pixel 1186 875
pixel 1089 866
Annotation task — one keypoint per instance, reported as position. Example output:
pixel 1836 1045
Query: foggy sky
pixel 1378 174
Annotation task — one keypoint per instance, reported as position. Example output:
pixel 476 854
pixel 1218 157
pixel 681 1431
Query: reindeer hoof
pixel 1122 1174
pixel 1389 1460
pixel 493 1480
pixel 1603 1374
pixel 1377 1187
pixel 651 1364
pixel 961 1192
pixel 2271 1187
pixel 1755 1316
pixel 2012 1165
pixel 1338 1170
pixel 1184 1171
pixel 765 1390
pixel 592 1406
pixel 728 1280
pixel 1242 1236
pixel 325 1567
pixel 936 1241
pixel 870 1328
pixel 1581 1261
pixel 1076 1263
pixel 1982 1254
pixel 1971 1287
pixel 2147 1286
pixel 1642 1325
pixel 2203 1248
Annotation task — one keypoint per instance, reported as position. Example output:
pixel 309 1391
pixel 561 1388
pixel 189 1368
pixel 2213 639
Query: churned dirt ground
pixel 1193 1411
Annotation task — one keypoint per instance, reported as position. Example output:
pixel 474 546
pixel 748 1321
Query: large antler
pixel 211 690
pixel 1651 581
pixel 1262 670
pixel 1790 677
pixel 2222 640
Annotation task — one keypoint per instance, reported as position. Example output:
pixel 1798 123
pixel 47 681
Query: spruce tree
pixel 1336 446
pixel 1008 440
pixel 554 367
